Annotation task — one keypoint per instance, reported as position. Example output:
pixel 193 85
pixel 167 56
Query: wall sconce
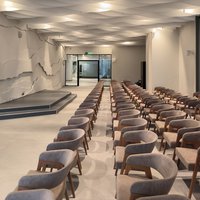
pixel 189 52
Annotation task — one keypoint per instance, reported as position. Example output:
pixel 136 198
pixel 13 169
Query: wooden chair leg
pixel 193 181
pixel 86 142
pixel 85 148
pixel 66 194
pixel 89 133
pixel 174 154
pixel 71 184
pixel 79 164
pixel 165 147
pixel 161 143
pixel 116 170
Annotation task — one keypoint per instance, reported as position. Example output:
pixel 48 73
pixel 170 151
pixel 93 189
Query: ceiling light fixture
pixel 157 29
pixel 9 6
pixel 46 26
pixel 103 6
pixel 128 43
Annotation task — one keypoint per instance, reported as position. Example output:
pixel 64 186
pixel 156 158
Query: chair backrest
pixel 132 124
pixel 160 108
pixel 175 125
pixel 62 160
pixel 39 194
pixel 84 113
pixel 184 130
pixel 165 197
pixel 132 113
pixel 79 122
pixel 171 113
pixel 191 140
pixel 68 139
pixel 141 141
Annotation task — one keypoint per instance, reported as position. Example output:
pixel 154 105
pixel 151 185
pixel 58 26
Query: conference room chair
pixel 189 155
pixel 132 185
pixel 51 173
pixel 135 142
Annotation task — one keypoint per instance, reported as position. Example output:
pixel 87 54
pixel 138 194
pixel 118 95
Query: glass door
pixel 88 72
pixel 71 70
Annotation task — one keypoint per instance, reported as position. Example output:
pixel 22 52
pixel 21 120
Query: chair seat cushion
pixel 160 125
pixel 115 125
pixel 152 117
pixel 124 183
pixel 146 110
pixel 114 115
pixel 117 136
pixel 119 156
pixel 187 156
pixel 170 138
pixel 190 111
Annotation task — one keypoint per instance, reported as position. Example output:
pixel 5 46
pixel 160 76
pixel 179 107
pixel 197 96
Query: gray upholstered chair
pixel 79 122
pixel 135 185
pixel 130 124
pixel 165 197
pixel 86 113
pixel 165 118
pixel 189 155
pixel 155 112
pixel 120 100
pixel 135 142
pixel 39 194
pixel 69 139
pixel 170 137
pixel 88 105
pixel 125 114
pixel 122 106
pixel 52 171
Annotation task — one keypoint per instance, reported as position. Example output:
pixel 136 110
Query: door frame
pixel 99 55
pixel 78 68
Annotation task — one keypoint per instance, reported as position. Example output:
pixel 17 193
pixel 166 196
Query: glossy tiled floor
pixel 22 140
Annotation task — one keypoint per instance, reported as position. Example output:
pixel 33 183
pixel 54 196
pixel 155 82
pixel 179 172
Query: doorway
pixel 84 69
pixel 88 69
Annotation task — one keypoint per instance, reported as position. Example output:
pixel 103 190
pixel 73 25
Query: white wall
pixel 126 60
pixel 171 59
pixel 187 65
pixel 163 62
pixel 27 62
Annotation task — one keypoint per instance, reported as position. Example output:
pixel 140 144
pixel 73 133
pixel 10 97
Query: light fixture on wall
pixel 19 34
pixel 189 52
pixel 154 30
pixel 188 11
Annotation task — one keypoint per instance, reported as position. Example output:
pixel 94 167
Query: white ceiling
pixel 92 22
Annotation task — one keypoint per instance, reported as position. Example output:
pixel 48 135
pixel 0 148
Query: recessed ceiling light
pixel 9 6
pixel 105 45
pixel 128 43
pixel 157 29
pixel 46 26
pixel 188 11
pixel 103 6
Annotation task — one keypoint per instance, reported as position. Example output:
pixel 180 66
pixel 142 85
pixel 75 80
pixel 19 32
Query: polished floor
pixel 22 140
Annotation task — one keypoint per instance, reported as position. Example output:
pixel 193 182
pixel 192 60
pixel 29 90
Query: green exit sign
pixel 88 53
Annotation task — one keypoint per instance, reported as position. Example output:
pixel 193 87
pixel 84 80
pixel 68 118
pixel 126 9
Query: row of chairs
pixel 142 141
pixel 49 180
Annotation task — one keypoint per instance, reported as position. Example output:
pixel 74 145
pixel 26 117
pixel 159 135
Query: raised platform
pixel 44 102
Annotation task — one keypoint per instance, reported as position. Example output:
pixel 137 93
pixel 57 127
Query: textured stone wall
pixel 29 62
